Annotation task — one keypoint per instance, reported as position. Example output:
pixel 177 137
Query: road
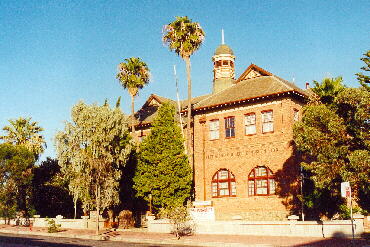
pixel 14 240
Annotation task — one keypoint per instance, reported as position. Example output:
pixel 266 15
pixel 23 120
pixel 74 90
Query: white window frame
pixel 267 121
pixel 214 129
pixel 250 124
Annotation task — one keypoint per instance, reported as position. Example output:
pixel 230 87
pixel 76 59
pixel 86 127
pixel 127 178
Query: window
pixel 214 127
pixel 223 184
pixel 295 115
pixel 230 127
pixel 218 64
pixel 225 62
pixel 267 122
pixel 261 182
pixel 250 124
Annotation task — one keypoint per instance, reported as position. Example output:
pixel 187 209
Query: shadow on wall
pixel 288 183
pixel 320 203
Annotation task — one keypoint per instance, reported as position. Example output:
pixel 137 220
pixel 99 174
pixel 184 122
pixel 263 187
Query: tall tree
pixel 334 138
pixel 90 151
pixel 328 89
pixel 184 37
pixel 133 74
pixel 365 79
pixel 16 164
pixel 163 169
pixel 23 131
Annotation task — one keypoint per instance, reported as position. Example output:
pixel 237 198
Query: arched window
pixel 223 184
pixel 261 182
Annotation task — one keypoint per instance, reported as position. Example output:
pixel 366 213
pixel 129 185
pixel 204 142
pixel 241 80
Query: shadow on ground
pixel 36 241
pixel 339 240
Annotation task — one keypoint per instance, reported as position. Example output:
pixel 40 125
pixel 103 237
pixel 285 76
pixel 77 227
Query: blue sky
pixel 55 53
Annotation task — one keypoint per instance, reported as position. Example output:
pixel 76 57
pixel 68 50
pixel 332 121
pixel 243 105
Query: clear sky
pixel 55 53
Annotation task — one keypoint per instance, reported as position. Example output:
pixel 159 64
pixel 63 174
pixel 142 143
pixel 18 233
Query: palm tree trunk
pixel 188 67
pixel 133 117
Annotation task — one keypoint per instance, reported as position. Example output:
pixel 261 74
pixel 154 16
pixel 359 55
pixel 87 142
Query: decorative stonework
pixel 252 74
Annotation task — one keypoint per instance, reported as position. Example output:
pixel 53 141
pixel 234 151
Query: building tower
pixel 223 67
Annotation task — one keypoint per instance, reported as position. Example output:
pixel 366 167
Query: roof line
pixel 250 67
pixel 284 82
pixel 247 99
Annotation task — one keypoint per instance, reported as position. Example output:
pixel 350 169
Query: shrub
pixel 52 227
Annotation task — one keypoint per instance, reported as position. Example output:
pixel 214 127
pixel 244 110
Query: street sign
pixel 345 189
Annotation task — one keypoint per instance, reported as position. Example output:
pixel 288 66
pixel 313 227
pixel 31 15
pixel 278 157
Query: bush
pixel 179 217
pixel 52 227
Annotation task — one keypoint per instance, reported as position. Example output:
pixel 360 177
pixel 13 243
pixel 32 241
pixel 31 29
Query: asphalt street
pixel 13 240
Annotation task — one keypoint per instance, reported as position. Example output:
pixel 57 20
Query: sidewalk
pixel 139 235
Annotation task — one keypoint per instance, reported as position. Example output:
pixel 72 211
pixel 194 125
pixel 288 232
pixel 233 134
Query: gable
pixel 253 71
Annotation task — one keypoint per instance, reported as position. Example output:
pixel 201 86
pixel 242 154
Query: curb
pixel 173 241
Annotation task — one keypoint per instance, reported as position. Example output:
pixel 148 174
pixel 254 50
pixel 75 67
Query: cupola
pixel 223 67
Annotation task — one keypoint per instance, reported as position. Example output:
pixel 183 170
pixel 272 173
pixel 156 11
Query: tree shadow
pixel 318 202
pixel 34 241
pixel 288 181
pixel 339 239
pixel 127 193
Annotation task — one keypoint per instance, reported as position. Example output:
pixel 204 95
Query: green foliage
pixel 50 192
pixel 365 79
pixel 328 89
pixel 16 164
pixel 345 212
pixel 133 74
pixel 91 150
pixel 333 137
pixel 183 36
pixel 22 131
pixel 52 226
pixel 163 169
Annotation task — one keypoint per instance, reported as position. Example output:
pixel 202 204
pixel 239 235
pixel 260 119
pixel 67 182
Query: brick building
pixel 243 158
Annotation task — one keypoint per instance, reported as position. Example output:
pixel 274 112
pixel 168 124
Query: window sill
pixel 222 196
pixel 231 137
pixel 269 132
pixel 250 134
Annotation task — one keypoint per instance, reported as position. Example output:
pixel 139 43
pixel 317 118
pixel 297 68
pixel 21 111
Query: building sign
pixel 203 214
pixel 345 189
pixel 240 153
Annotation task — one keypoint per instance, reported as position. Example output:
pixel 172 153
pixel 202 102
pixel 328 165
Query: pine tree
pixel 163 169
pixel 365 79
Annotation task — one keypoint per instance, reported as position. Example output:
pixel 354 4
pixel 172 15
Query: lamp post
pixel 150 204
pixel 302 177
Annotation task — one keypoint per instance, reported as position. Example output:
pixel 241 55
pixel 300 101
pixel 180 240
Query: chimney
pixel 307 85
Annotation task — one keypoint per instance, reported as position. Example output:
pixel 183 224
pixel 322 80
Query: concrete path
pixel 138 235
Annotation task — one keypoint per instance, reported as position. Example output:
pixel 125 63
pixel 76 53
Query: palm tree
pixel 184 37
pixel 133 74
pixel 328 89
pixel 22 131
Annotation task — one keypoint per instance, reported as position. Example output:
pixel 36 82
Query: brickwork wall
pixel 241 154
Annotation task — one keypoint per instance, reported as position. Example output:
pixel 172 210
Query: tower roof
pixel 224 49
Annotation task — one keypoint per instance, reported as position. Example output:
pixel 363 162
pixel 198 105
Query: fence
pixel 334 228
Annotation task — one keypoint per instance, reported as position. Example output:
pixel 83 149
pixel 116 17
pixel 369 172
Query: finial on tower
pixel 222 37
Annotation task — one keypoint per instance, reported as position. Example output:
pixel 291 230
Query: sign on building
pixel 203 214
